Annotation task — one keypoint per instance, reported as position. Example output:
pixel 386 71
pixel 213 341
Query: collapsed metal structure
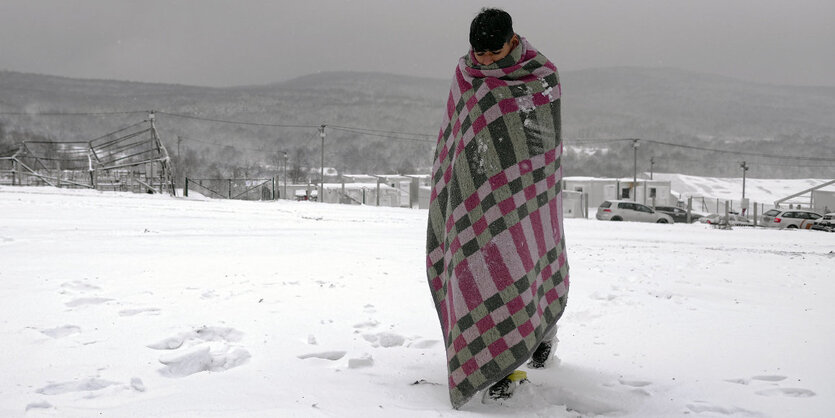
pixel 130 159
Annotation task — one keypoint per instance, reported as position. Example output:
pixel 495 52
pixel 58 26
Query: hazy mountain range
pixel 385 123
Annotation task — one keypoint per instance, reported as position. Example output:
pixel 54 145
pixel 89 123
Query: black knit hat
pixel 490 29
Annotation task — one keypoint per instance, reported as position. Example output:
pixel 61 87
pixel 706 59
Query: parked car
pixel 789 218
pixel 678 214
pixel 768 216
pixel 624 210
pixel 733 220
pixel 825 223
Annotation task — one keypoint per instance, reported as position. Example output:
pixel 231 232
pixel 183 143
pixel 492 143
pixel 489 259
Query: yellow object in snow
pixel 518 376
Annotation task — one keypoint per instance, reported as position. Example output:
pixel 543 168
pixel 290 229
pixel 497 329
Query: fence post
pixel 14 171
pixel 755 213
pixel 274 188
pixel 727 216
pixel 586 205
pixel 414 193
pixel 689 209
pixel 185 191
pixel 230 188
pixel 378 191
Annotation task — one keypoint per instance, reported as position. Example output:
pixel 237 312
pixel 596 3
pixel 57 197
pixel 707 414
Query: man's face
pixel 489 57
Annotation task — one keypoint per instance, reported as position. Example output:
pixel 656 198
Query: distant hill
pixel 663 104
pixel 634 100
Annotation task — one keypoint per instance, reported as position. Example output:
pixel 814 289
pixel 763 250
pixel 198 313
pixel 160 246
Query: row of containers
pixel 413 191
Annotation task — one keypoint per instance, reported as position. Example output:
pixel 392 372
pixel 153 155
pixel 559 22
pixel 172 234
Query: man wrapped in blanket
pixel 496 259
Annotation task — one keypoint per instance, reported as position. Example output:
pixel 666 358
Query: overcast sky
pixel 225 43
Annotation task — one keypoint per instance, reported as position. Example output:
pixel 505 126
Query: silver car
pixel 789 218
pixel 625 210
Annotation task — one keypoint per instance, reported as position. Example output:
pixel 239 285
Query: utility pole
pixel 155 139
pixel 744 202
pixel 635 171
pixel 744 169
pixel 651 163
pixel 322 191
pixel 284 193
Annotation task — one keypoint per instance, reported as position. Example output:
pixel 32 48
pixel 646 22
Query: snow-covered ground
pixel 135 305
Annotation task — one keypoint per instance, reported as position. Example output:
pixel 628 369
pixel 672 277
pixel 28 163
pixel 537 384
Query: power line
pixel 582 141
pixel 263 149
pixel 388 136
pixel 235 122
pixel 792 165
pixel 694 147
pixel 662 159
pixel 71 113
pixel 384 131
pixel 755 154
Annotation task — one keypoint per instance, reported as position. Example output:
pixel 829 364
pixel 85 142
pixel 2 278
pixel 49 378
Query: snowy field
pixel 135 305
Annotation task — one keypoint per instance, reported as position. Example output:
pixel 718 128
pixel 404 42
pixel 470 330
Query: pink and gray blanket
pixel 496 258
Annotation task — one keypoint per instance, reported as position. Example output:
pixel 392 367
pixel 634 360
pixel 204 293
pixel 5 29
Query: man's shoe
pixel 540 355
pixel 503 389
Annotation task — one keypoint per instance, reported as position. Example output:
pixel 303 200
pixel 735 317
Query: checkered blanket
pixel 496 259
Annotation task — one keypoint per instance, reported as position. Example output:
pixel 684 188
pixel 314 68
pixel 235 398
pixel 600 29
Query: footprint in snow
pixel 92 384
pixel 384 339
pixel 324 355
pixel 788 392
pixel 738 381
pixel 79 286
pixel 132 312
pixel 61 332
pixel 85 385
pixel 762 378
pixel 769 378
pixel 700 407
pixel 203 358
pixel 636 386
pixel 421 344
pixel 206 349
pixel 39 405
pixel 87 301
pixel 634 383
pixel 198 335
pixel 367 324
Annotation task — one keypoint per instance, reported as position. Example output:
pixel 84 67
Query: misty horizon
pixel 442 79
pixel 215 44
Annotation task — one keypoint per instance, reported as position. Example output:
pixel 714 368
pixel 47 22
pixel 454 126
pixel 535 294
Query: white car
pixel 789 218
pixel 625 210
pixel 826 223
pixel 733 220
